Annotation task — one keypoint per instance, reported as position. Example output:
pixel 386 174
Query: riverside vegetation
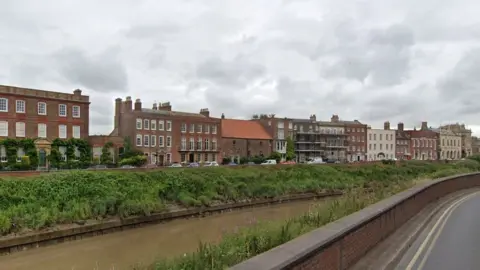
pixel 65 197
pixel 382 181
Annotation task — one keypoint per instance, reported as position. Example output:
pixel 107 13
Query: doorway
pixel 191 158
pixel 42 158
pixel 161 160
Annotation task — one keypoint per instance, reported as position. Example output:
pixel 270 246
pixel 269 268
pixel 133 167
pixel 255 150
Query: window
pixel 214 144
pixel 42 130
pixel 192 128
pixel 169 125
pixel 4 128
pixel 214 129
pixel 3 153
pixel 153 140
pixel 183 145
pixel 160 141
pixel 199 128
pixel 20 129
pixel 76 111
pixel 20 154
pixel 161 125
pixel 3 105
pixel 169 158
pixel 62 131
pixel 183 128
pixel 20 106
pixel 154 125
pixel 63 152
pixel 207 129
pixel 183 157
pixel 139 123
pixel 191 145
pixel 62 110
pixel 207 144
pixel 146 124
pixel 42 108
pixel 146 140
pixel 76 132
pixel 169 141
pixel 139 140
pixel 199 144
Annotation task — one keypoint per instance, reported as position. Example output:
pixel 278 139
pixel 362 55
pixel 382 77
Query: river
pixel 123 250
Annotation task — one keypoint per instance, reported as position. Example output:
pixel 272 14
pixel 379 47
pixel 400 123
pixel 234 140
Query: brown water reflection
pixel 121 250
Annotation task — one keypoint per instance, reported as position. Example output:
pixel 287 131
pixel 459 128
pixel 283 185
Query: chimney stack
pixel 205 112
pixel 118 111
pixel 165 106
pixel 154 107
pixel 77 92
pixel 223 116
pixel 335 118
pixel 313 118
pixel 424 126
pixel 128 104
pixel 386 125
pixel 138 105
pixel 400 126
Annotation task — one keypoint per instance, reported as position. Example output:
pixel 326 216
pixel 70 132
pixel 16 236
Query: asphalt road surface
pixel 451 241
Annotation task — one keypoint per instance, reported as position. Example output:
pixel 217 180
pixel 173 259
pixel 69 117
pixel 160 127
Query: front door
pixel 42 158
pixel 191 158
pixel 161 160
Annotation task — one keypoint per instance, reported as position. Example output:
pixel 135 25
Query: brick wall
pixel 340 244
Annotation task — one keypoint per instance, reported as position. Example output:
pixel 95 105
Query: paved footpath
pixel 450 242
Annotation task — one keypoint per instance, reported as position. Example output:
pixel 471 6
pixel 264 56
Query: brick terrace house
pixel 356 137
pixel 167 136
pixel 279 128
pixel 42 115
pixel 424 143
pixel 403 149
pixel 244 138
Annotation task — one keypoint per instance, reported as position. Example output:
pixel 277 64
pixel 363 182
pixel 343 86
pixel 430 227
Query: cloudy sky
pixel 372 60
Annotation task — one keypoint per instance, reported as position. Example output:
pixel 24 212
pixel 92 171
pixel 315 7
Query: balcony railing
pixel 187 149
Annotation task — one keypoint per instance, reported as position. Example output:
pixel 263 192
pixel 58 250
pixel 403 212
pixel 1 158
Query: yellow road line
pixel 439 224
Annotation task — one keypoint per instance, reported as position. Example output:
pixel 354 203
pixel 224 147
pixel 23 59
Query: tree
pixel 290 149
pixel 106 157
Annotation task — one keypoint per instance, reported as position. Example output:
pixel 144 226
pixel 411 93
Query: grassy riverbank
pixel 237 247
pixel 60 198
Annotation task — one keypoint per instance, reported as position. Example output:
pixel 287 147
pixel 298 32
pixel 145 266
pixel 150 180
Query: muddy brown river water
pixel 123 250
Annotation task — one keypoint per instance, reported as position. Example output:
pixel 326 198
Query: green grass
pixel 47 200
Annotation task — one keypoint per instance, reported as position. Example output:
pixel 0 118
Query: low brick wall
pixel 20 243
pixel 340 244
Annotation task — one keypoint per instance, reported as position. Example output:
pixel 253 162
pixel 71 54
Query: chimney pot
pixel 386 125
pixel 77 92
pixel 223 116
pixel 138 105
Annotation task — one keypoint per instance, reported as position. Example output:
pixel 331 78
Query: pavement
pixel 451 240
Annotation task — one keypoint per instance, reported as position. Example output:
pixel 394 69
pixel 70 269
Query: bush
pixel 136 161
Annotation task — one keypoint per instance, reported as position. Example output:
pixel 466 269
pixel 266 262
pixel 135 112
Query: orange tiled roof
pixel 244 129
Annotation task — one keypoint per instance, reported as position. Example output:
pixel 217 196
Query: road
pixel 450 241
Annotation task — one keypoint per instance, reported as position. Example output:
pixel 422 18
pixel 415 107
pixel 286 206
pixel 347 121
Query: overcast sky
pixel 371 60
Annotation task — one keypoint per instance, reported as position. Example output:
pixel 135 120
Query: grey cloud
pixel 153 31
pixel 102 73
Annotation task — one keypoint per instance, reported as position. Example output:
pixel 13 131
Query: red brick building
pixel 167 136
pixel 423 143
pixel 356 138
pixel 244 138
pixel 279 128
pixel 403 140
pixel 42 115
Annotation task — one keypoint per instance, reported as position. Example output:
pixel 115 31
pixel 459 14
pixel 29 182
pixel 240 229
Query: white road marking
pixel 440 222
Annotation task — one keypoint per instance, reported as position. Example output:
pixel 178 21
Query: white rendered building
pixel 381 143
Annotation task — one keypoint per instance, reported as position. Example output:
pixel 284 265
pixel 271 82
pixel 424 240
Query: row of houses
pixel 166 136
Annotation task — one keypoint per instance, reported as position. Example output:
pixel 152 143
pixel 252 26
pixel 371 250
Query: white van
pixel 269 162
pixel 317 160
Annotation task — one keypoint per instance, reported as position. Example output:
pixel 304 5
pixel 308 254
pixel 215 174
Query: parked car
pixel 269 162
pixel 98 167
pixel 128 167
pixel 193 165
pixel 175 165
pixel 317 160
pixel 211 164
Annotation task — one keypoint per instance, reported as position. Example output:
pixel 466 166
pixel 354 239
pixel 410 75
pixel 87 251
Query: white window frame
pixel 153 125
pixel 161 125
pixel 199 128
pixel 3 154
pixel 183 128
pixel 169 126
pixel 146 140
pixel 146 124
pixel 139 124
pixel 77 113
pixel 5 130
pixel 20 129
pixel 138 139
pixel 207 129
pixel 153 141
pixel 39 106
pixel 22 102
pixel 169 141
pixel 4 100
pixel 62 128
pixel 161 141
pixel 214 129
pixel 76 132
pixel 41 134
pixel 60 106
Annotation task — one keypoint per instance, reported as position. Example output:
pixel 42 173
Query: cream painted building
pixel 450 144
pixel 381 143
pixel 466 135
